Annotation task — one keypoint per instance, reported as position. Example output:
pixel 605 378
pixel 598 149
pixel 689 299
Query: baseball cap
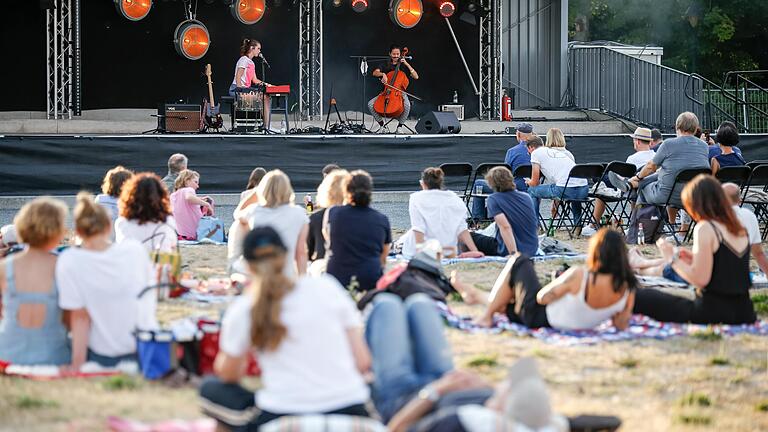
pixel 524 127
pixel 262 242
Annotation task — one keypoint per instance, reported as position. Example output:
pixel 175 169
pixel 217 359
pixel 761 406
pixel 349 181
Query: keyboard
pixel 279 89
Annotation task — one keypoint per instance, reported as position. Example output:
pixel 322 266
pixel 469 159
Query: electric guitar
pixel 212 117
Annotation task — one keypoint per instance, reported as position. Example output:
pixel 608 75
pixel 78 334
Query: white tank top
pixel 571 311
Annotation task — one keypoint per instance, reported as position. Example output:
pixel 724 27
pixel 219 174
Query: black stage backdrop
pixel 33 165
pixel 134 64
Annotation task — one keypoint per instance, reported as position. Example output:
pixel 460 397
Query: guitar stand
pixel 333 107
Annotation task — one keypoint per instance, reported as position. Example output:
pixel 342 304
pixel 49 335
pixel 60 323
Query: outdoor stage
pixel 65 164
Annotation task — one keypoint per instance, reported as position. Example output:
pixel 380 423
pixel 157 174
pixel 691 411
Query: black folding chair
pixel 457 178
pixel 755 163
pixel 589 172
pixel 615 206
pixel 480 171
pixel 682 178
pixel 758 181
pixel 734 174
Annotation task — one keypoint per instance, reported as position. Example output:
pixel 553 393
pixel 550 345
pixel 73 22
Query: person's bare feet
pixel 484 321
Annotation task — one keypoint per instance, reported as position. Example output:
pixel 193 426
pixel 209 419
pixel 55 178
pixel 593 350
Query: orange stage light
pixel 191 39
pixel 248 11
pixel 406 13
pixel 133 10
pixel 447 8
pixel 359 5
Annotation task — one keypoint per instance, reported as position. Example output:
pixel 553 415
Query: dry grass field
pixel 702 383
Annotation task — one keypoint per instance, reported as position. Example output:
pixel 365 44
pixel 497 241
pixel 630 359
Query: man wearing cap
pixel 657 178
pixel 516 156
pixel 642 140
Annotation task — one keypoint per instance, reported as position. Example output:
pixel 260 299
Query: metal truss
pixel 63 59
pixel 310 59
pixel 490 60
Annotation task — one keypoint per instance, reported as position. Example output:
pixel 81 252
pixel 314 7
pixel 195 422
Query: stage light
pixel 359 5
pixel 336 3
pixel 191 39
pixel 446 8
pixel 133 10
pixel 406 13
pixel 248 11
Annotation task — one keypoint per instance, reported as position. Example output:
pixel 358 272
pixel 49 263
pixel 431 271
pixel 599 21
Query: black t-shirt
pixel 315 239
pixel 387 66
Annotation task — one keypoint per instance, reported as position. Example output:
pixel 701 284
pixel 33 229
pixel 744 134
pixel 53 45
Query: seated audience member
pixel 254 179
pixel 31 327
pixel 657 178
pixel 176 164
pixel 718 264
pixel 580 298
pixel 360 236
pixel 307 334
pixel 437 214
pixel 516 156
pixel 99 284
pixel 417 388
pixel 555 162
pixel 187 207
pixel 749 222
pixel 276 209
pixel 727 138
pixel 714 147
pixel 145 214
pixel 110 189
pixel 658 138
pixel 330 193
pixel 641 141
pixel 514 215
pixel 9 241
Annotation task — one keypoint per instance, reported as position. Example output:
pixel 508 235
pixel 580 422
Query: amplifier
pixel 179 117
pixel 456 109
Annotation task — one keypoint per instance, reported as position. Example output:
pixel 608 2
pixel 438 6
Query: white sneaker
pixel 588 231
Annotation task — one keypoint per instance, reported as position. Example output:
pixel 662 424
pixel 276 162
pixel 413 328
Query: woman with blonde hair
pixel 554 162
pixel 31 327
pixel 275 208
pixel 330 193
pixel 187 206
pixel 308 336
pixel 99 284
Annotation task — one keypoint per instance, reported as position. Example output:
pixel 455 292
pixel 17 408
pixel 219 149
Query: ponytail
pixel 270 286
pixel 90 218
pixel 247 45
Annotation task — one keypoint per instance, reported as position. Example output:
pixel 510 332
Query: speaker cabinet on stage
pixel 179 117
pixel 437 122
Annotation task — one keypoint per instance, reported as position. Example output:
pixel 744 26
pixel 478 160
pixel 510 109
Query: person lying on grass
pixel 581 298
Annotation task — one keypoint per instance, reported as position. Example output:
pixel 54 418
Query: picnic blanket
pixel 499 259
pixel 120 424
pixel 52 372
pixel 203 241
pixel 640 327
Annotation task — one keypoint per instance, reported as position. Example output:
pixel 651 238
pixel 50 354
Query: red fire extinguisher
pixel 506 107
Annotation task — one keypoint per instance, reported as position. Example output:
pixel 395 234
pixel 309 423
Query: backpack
pixel 650 217
pixel 423 274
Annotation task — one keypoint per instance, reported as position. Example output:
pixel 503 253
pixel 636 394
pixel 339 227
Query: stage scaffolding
pixel 310 59
pixel 63 59
pixel 490 60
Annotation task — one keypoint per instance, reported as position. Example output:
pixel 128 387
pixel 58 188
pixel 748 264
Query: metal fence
pixel 625 86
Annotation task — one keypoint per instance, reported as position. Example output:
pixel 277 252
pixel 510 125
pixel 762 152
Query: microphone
pixel 264 59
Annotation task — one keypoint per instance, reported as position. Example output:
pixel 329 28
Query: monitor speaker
pixel 179 117
pixel 436 122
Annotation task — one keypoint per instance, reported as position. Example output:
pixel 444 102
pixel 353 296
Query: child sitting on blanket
pixel 31 328
pixel 581 298
pixel 187 207
pixel 99 285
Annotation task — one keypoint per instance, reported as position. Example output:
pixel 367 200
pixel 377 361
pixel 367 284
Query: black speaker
pixel 437 122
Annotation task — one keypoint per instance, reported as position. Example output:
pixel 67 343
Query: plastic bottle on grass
pixel 640 234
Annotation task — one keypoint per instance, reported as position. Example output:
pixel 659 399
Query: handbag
pixel 167 265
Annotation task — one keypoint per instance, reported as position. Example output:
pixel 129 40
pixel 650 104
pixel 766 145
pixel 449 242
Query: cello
pixel 389 103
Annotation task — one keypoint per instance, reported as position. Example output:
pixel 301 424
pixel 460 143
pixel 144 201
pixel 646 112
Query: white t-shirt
pixel 555 164
pixel 313 369
pixel 287 220
pixel 438 214
pixel 749 220
pixel 244 62
pixel 153 235
pixel 639 159
pixel 106 284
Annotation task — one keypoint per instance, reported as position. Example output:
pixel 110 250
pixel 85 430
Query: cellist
pixel 381 71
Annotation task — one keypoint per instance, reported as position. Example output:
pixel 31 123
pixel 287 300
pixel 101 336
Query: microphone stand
pixel 359 60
